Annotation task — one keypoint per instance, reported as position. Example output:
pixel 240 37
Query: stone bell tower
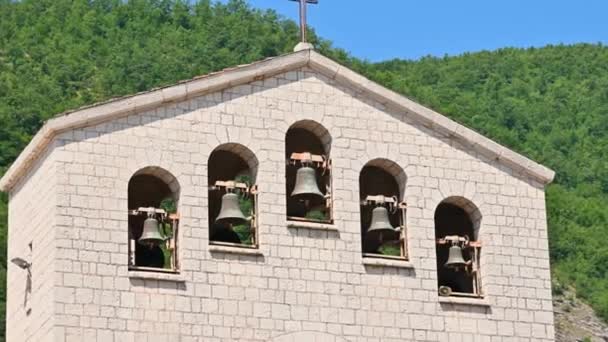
pixel 290 199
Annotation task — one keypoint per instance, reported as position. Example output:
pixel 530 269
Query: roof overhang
pixel 239 75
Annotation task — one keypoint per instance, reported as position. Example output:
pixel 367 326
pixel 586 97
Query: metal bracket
pixel 379 199
pixel 148 211
pixel 392 202
pixel 232 185
pixel 152 210
pixel 454 239
pixel 317 160
pixel 229 185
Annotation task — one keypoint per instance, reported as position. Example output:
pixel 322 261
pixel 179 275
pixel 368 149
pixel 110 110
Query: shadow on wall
pixel 227 256
pixel 314 234
pixel 467 308
pixel 381 270
pixel 158 284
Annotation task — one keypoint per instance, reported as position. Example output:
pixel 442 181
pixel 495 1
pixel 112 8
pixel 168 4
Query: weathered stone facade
pixel 307 281
pixel 32 219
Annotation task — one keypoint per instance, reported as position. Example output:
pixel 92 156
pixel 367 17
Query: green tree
pixel 550 103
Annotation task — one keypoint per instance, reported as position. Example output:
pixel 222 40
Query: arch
pixel 150 185
pixel 308 136
pixel 456 215
pixel 246 156
pixel 391 168
pixel 307 129
pixel 469 208
pixel 381 177
pixel 229 162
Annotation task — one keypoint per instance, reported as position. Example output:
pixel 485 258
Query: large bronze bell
pixel 306 187
pixel 150 233
pixel 455 259
pixel 231 212
pixel 380 221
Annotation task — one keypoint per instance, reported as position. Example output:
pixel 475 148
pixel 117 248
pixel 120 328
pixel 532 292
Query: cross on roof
pixel 303 4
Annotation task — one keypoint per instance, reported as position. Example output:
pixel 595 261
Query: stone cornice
pixel 218 81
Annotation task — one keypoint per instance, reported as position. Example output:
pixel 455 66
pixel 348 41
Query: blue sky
pixel 384 29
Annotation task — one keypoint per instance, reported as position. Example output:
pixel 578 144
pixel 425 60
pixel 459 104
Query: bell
pixel 231 212
pixel 380 221
pixel 306 187
pixel 150 233
pixel 455 258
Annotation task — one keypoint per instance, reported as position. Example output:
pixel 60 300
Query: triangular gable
pixel 239 75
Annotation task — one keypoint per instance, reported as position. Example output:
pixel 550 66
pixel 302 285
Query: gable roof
pixel 120 107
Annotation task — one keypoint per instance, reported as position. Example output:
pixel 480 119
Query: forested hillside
pixel 550 104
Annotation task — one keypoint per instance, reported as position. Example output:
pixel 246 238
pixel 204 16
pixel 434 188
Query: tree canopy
pixel 549 103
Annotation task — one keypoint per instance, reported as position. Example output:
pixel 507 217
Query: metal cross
pixel 303 17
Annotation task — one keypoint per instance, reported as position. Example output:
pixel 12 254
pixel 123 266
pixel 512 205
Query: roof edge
pixel 247 73
pixel 116 108
pixel 432 119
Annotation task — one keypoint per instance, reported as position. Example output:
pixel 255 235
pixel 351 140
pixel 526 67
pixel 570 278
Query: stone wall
pixel 302 279
pixel 32 216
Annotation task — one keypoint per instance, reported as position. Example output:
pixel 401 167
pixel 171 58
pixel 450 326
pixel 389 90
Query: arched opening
pixel 381 187
pixel 308 173
pixel 153 196
pixel 232 169
pixel 457 222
